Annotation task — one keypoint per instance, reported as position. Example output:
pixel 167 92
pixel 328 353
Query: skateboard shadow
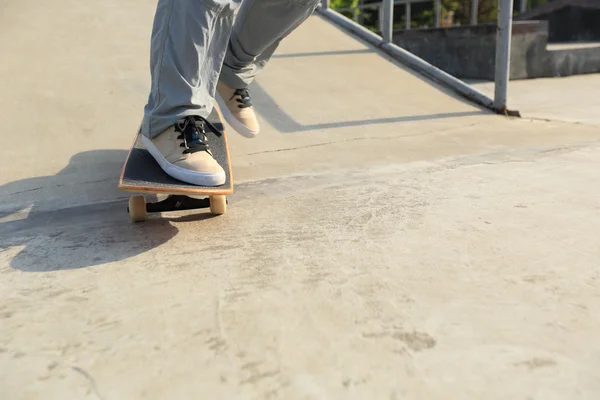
pixel 74 219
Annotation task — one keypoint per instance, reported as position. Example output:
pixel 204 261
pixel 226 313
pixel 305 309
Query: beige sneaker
pixel 236 107
pixel 182 152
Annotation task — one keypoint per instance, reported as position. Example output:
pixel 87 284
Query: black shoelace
pixel 244 98
pixel 192 131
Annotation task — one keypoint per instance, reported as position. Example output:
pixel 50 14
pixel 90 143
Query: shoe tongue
pixel 182 123
pixel 187 123
pixel 243 93
pixel 245 98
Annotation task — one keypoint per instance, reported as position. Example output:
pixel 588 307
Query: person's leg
pixel 189 42
pixel 259 28
pixel 188 45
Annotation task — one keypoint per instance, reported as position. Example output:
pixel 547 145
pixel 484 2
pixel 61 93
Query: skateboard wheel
pixel 218 204
pixel 137 208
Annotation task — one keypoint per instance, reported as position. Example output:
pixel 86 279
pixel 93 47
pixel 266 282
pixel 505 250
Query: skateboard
pixel 142 174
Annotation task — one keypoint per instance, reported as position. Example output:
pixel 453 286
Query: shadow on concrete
pixel 57 234
pixel 323 53
pixel 278 118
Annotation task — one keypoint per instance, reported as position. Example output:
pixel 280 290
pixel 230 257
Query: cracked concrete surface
pixel 385 240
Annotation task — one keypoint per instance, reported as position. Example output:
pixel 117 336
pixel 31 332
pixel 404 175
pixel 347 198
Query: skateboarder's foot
pixel 182 151
pixel 236 107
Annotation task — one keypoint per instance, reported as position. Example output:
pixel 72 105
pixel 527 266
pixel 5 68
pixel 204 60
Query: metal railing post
pixel 502 71
pixel 388 20
pixel 361 16
pixel 522 6
pixel 438 11
pixel 474 12
pixel 407 14
pixel 325 4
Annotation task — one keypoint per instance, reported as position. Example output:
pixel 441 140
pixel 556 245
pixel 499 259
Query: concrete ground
pixel 386 240
pixel 569 99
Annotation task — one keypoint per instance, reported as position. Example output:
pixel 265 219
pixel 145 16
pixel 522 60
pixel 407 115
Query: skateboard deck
pixel 142 174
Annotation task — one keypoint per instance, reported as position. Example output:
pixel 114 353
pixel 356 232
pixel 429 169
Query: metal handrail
pixel 503 36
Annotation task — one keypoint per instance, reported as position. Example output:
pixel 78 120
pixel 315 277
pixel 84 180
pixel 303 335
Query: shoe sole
pixel 182 174
pixel 233 121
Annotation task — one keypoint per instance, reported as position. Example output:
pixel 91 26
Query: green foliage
pixel 343 3
pixel 423 14
pixel 337 4
pixel 487 10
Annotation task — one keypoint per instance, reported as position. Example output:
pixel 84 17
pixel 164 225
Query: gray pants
pixel 195 43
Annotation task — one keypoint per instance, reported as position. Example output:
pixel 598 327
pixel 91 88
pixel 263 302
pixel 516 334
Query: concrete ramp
pixel 78 79
pixel 386 240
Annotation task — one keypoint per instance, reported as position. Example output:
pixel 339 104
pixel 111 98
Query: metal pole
pixel 474 12
pixel 523 6
pixel 388 20
pixel 325 4
pixel 407 12
pixel 503 36
pixel 380 13
pixel 438 11
pixel 361 16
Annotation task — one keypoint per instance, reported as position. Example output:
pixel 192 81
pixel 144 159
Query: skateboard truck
pixel 177 203
pixel 138 209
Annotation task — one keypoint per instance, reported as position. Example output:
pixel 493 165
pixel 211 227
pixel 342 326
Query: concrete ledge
pixel 468 52
pixel 574 61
